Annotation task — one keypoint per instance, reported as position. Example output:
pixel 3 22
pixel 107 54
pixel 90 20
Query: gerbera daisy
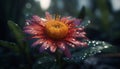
pixel 56 33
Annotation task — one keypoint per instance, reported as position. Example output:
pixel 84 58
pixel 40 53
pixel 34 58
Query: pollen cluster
pixel 56 29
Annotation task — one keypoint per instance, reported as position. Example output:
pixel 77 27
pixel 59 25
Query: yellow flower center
pixel 56 29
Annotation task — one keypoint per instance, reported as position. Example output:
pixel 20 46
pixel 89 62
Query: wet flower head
pixel 56 33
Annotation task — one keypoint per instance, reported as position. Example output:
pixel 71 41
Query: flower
pixel 56 33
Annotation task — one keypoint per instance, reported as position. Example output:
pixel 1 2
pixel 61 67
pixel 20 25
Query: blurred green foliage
pixel 104 26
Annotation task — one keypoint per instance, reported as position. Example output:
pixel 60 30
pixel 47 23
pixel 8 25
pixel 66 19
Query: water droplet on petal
pixel 73 39
pixel 27 23
pixel 63 47
pixel 45 48
pixel 73 45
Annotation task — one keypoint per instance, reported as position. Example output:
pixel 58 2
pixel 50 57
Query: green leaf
pixel 94 48
pixel 9 45
pixel 17 32
pixel 19 36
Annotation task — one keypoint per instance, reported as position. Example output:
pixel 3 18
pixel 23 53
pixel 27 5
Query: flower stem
pixel 59 59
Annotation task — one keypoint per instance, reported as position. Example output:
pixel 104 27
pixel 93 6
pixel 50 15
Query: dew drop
pixel 46 48
pixel 93 41
pixel 63 47
pixel 77 32
pixel 40 42
pixel 55 60
pixel 103 42
pixel 39 62
pixel 27 23
pixel 73 39
pixel 89 21
pixel 105 46
pixel 28 5
pixel 97 43
pixel 94 44
pixel 85 53
pixel 82 58
pixel 99 51
pixel 73 45
pixel 16 24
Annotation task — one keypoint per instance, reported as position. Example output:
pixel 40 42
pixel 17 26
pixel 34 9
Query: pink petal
pixel 77 22
pixel 44 46
pixel 38 36
pixel 64 19
pixel 34 26
pixel 80 29
pixel 80 35
pixel 71 44
pixel 31 32
pixel 61 45
pixel 48 16
pixel 40 41
pixel 77 43
pixel 53 48
pixel 70 21
pixel 83 44
pixel 67 52
pixel 72 40
pixel 36 18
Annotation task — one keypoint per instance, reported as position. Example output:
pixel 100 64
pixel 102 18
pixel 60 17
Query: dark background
pixel 104 19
